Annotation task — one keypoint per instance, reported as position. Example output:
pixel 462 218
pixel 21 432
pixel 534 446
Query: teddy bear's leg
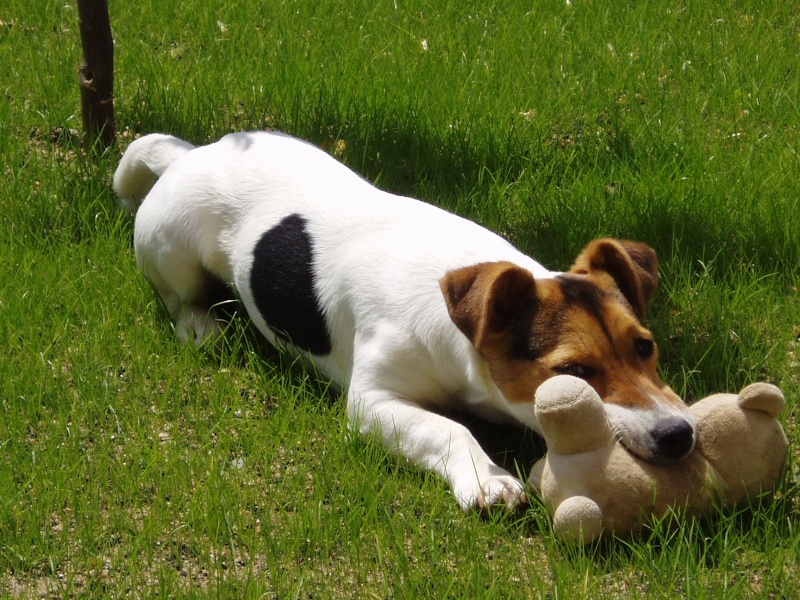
pixel 578 519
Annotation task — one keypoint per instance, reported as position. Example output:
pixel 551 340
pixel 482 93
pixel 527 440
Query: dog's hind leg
pixel 187 290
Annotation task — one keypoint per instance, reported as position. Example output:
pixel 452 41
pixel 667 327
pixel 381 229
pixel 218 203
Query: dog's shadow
pixel 512 447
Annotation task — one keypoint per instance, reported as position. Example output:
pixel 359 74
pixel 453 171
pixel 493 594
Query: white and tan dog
pixel 409 308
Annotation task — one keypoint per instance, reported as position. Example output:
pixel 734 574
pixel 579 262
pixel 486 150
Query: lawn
pixel 133 466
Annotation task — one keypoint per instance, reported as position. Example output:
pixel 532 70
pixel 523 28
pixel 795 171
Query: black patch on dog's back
pixel 282 282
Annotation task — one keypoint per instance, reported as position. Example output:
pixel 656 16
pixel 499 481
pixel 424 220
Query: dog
pixel 410 309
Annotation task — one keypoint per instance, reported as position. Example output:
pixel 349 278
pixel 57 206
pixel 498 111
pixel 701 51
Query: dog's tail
pixel 143 163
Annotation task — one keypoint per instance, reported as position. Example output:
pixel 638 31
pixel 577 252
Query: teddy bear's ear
pixel 487 298
pixel 763 396
pixel 630 266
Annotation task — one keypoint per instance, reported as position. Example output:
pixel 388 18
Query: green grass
pixel 130 465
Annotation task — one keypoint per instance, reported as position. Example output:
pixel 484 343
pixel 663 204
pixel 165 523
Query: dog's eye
pixel 576 370
pixel 644 347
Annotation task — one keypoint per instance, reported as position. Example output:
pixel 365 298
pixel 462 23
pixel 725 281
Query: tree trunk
pixel 96 74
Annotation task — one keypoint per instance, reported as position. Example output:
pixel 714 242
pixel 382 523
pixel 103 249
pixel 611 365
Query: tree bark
pixel 96 74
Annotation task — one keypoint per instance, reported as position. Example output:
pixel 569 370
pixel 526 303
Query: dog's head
pixel 585 323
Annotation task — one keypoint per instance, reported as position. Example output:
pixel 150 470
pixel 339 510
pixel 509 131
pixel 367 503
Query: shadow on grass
pixel 513 447
pixel 403 152
pixel 401 149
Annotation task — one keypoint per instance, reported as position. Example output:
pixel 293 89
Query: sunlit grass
pixel 132 465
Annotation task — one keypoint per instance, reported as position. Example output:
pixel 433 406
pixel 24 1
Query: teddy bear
pixel 595 488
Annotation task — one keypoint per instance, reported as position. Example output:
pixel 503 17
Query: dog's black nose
pixel 674 438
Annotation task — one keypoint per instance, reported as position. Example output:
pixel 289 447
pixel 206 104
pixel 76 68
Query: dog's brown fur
pixel 585 323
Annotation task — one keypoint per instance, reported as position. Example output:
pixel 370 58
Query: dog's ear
pixel 488 298
pixel 631 266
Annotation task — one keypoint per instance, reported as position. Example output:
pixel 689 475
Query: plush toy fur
pixel 594 487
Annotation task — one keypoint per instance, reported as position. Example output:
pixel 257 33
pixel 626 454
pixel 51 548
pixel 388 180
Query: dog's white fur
pixel 378 262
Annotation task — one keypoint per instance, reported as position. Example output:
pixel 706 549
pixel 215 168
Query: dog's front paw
pixel 498 491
